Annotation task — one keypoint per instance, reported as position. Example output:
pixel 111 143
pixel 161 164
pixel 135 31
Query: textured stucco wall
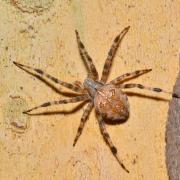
pixel 41 34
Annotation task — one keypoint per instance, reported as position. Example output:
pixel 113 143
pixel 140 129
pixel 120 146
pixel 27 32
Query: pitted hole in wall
pixel 79 168
pixel 32 6
pixel 83 165
pixel 14 119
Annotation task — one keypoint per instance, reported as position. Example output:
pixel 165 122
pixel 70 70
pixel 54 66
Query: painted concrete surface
pixel 41 34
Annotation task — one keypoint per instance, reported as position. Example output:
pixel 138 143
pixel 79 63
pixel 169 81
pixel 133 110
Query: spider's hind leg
pixel 109 142
pixel 83 121
pixel 140 86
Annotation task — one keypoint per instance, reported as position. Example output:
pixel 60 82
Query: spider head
pixel 91 86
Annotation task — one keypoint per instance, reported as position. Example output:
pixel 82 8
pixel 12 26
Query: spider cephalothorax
pixel 109 100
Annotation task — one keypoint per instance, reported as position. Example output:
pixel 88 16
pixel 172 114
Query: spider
pixel 109 100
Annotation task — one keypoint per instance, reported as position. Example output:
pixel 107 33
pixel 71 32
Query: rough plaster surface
pixel 41 34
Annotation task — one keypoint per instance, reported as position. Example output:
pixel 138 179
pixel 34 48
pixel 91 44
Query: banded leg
pixel 57 81
pixel 140 86
pixel 88 60
pixel 126 76
pixel 111 54
pixel 109 142
pixel 83 121
pixel 63 101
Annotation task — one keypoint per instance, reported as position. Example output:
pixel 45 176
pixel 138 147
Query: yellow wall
pixel 41 34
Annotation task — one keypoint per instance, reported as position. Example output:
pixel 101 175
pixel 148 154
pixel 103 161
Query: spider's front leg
pixel 83 97
pixel 127 76
pixel 44 74
pixel 109 142
pixel 111 54
pixel 87 59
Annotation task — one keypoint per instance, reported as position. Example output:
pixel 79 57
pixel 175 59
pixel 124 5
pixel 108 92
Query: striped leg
pixel 88 60
pixel 78 84
pixel 109 142
pixel 83 121
pixel 43 74
pixel 140 86
pixel 126 76
pixel 63 101
pixel 111 54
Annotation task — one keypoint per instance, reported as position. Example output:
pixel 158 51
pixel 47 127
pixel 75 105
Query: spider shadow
pixel 129 93
pixel 65 112
pixel 110 122
pixel 116 122
pixel 55 89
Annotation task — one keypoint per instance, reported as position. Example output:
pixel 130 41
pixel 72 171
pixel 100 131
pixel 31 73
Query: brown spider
pixel 109 100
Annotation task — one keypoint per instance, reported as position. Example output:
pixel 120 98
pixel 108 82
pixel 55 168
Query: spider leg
pixel 83 121
pixel 43 74
pixel 62 101
pixel 126 76
pixel 88 60
pixel 140 86
pixel 111 54
pixel 109 142
pixel 79 84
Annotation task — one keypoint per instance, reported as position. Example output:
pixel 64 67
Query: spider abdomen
pixel 111 103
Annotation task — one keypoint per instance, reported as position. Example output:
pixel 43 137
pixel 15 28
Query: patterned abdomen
pixel 111 103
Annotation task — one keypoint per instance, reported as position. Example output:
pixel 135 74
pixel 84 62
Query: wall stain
pixel 13 117
pixel 77 9
pixel 32 6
